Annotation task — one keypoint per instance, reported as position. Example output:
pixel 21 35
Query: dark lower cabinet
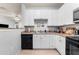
pixel 26 41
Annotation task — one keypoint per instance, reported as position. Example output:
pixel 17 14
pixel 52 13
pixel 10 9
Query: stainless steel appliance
pixel 26 41
pixel 77 32
pixel 76 15
pixel 72 46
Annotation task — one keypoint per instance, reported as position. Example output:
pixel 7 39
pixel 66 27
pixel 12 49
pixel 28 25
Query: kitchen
pixel 39 29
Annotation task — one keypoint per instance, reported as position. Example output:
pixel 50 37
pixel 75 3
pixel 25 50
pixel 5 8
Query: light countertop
pixel 50 33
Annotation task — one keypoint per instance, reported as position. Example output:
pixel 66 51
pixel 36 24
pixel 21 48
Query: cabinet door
pixel 51 41
pixel 28 18
pixel 62 45
pixel 36 41
pixel 57 43
pixel 44 41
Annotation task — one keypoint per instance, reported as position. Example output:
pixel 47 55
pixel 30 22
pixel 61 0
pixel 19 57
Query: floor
pixel 38 52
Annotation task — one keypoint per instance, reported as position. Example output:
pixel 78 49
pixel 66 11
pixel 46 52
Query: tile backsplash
pixel 40 24
pixel 53 28
pixel 40 27
pixel 43 27
pixel 29 28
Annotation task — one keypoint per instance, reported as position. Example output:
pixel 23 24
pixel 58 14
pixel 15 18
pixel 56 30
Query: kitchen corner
pixel 39 29
pixel 48 39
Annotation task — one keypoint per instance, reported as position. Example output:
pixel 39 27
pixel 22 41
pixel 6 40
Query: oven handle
pixel 72 42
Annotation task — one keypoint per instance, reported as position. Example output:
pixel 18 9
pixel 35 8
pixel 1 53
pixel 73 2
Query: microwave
pixel 76 15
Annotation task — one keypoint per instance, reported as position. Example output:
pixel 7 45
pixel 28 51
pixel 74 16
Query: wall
pixel 7 20
pixel 66 13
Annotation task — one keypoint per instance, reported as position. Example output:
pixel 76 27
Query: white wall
pixel 29 14
pixel 7 20
pixel 66 13
pixel 10 41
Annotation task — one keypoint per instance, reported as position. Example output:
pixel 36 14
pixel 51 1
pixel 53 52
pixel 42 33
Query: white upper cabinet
pixel 66 13
pixel 35 14
pixel 28 17
pixel 61 16
pixel 29 14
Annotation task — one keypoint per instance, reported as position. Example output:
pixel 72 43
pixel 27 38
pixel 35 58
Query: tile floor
pixel 38 52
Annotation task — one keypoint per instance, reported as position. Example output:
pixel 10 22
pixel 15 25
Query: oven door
pixel 72 47
pixel 74 50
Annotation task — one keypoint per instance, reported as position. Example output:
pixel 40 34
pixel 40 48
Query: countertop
pixel 50 33
pixel 9 29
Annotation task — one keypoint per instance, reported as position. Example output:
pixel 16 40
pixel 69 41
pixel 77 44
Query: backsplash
pixel 71 29
pixel 53 28
pixel 45 27
pixel 40 24
pixel 29 28
pixel 41 27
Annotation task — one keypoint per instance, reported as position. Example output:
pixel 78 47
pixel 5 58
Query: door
pixel 74 50
pixel 72 46
pixel 62 45
pixel 36 41
pixel 57 42
pixel 51 41
pixel 44 41
pixel 59 45
pixel 26 41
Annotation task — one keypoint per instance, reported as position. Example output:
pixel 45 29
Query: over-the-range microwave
pixel 76 15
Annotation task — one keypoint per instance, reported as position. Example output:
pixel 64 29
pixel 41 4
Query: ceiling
pixel 42 5
pixel 10 8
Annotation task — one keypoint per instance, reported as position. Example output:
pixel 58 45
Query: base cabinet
pixel 40 42
pixel 49 42
pixel 36 41
pixel 43 41
pixel 60 44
